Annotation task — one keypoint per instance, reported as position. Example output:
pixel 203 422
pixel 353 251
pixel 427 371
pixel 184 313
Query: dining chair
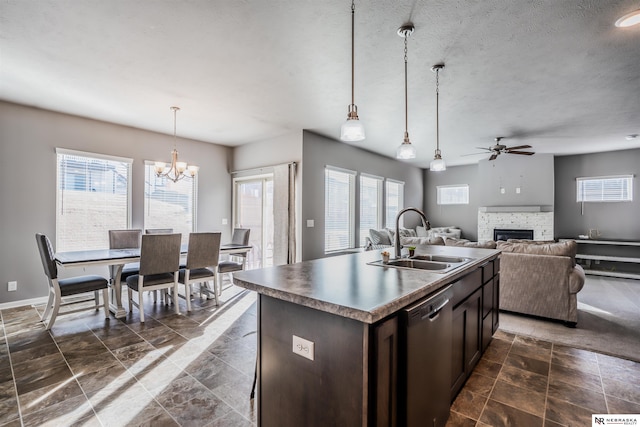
pixel 240 237
pixel 158 231
pixel 202 261
pixel 60 288
pixel 159 265
pixel 125 239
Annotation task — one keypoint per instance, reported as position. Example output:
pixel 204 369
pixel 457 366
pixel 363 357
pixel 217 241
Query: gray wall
pixel 532 174
pixel 463 216
pixel 270 152
pixel 28 138
pixel 319 151
pixel 614 220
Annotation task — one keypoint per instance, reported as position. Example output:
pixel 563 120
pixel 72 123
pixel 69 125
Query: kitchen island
pixel 332 341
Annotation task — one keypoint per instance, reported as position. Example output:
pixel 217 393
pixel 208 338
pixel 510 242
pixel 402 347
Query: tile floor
pixel 197 369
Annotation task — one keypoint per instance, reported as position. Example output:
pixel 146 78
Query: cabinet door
pixel 467 340
pixel 386 373
pixel 473 331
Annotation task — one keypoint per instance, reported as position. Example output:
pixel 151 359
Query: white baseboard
pixel 24 302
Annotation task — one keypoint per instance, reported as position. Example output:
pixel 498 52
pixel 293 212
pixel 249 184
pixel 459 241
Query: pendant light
pixel 406 150
pixel 352 129
pixel 177 169
pixel 437 164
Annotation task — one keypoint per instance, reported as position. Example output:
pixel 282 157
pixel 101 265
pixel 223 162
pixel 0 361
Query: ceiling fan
pixel 499 148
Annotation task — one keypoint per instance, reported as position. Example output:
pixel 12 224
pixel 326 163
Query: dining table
pixel 117 258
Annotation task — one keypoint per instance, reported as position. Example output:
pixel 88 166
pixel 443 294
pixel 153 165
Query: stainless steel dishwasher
pixel 425 378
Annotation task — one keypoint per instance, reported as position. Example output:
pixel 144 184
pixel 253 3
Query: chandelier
pixel 177 170
pixel 352 129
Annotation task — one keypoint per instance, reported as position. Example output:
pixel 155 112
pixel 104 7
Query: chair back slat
pixel 204 250
pixel 124 239
pixel 47 256
pixel 160 253
pixel 240 236
pixel 159 230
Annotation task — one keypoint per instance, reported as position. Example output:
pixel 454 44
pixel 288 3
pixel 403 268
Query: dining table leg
pixel 115 300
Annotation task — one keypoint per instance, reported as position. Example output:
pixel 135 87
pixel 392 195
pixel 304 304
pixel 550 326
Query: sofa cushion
pixel 404 232
pixel 489 244
pixel 379 237
pixel 421 231
pixel 567 248
pixel 417 241
pixel 531 242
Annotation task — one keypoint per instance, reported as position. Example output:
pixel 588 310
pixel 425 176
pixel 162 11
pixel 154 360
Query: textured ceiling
pixel 557 75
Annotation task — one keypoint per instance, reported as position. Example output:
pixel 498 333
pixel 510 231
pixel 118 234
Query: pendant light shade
pixel 352 129
pixel 406 150
pixel 437 164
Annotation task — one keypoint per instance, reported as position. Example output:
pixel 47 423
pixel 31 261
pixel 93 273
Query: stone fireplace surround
pixel 515 217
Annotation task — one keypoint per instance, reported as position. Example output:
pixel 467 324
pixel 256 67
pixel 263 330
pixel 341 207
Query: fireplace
pixel 506 234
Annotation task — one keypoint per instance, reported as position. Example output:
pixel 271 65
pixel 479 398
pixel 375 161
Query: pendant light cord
pixel 438 110
pixel 353 13
pixel 406 102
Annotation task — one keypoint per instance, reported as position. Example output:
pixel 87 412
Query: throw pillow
pixel 417 241
pixel 379 237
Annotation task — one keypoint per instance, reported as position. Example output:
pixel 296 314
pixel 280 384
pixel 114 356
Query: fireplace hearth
pixel 506 234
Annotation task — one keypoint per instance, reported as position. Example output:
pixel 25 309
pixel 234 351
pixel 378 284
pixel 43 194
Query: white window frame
pixel 150 173
pixel 448 194
pixel 63 244
pixel 351 209
pixel 623 194
pixel 364 232
pixel 390 220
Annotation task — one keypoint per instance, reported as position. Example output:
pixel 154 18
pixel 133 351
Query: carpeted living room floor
pixel 608 320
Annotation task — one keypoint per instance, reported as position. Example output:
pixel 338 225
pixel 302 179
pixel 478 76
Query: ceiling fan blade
pixel 526 153
pixel 473 154
pixel 518 147
pixel 493 157
pixel 483 148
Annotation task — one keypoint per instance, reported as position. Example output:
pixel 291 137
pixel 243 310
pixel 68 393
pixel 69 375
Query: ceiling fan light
pixel 352 130
pixel 630 19
pixel 406 151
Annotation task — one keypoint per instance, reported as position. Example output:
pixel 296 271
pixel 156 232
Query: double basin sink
pixel 433 263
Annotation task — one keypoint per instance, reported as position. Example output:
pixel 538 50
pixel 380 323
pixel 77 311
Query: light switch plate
pixel 304 348
pixel 12 286
pixel 225 221
pixel 310 223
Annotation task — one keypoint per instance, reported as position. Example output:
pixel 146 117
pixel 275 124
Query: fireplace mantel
pixel 508 217
pixel 510 209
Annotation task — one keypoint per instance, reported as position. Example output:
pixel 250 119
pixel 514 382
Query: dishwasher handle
pixel 435 311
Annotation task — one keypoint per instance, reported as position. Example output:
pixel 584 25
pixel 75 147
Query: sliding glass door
pixel 253 209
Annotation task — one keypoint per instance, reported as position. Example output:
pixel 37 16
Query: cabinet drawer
pixel 487 272
pixel 466 286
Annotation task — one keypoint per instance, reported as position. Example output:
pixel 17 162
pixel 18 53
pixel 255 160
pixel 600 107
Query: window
pixel 605 189
pixel 452 194
pixel 169 204
pixel 370 205
pixel 93 196
pixel 339 195
pixel 394 202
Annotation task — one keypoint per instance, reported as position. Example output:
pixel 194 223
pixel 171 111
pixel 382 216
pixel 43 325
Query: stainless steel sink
pixel 434 263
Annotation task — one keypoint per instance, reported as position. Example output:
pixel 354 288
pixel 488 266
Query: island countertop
pixel 347 286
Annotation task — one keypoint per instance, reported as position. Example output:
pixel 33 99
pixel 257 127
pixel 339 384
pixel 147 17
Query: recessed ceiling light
pixel 629 19
pixel 631 137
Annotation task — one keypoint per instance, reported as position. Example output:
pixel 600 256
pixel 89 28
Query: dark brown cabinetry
pixel 475 320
